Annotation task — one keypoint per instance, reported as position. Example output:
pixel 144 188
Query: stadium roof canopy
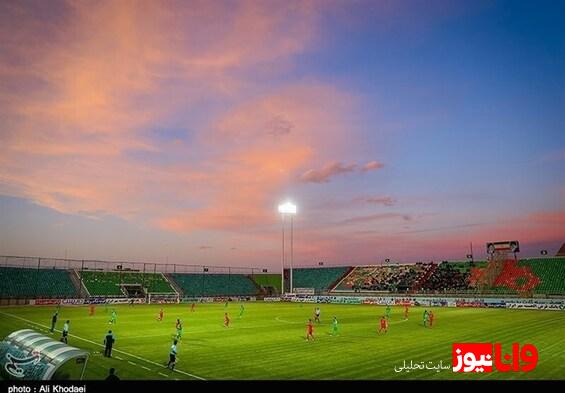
pixel 29 355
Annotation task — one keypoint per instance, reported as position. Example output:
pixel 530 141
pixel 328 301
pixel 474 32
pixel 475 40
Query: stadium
pixel 501 300
pixel 281 190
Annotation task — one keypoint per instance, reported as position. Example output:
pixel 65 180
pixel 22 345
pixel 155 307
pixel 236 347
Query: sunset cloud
pixel 78 141
pixel 385 201
pixel 535 230
pixel 332 169
pixel 254 166
pixel 375 217
pixel 323 175
pixel 190 121
pixel 372 166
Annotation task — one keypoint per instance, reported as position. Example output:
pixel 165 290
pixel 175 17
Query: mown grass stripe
pixel 115 350
pixel 258 346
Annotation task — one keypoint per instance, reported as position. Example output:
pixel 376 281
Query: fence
pixel 124 266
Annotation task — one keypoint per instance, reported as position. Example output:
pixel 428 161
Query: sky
pixel 169 131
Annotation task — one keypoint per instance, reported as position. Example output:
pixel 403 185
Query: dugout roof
pixel 29 355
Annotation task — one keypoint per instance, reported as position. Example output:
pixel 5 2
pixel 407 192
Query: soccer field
pixel 268 341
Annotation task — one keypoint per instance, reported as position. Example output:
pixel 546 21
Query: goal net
pixel 162 298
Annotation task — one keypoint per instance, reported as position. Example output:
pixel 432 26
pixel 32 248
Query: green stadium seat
pixel 109 283
pixel 35 283
pixel 317 278
pixel 209 284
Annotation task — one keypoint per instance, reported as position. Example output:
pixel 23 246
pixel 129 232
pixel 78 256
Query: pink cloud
pixel 365 247
pixel 73 110
pixel 335 168
pixel 254 165
pixel 323 175
pixel 386 201
pixel 66 143
pixel 372 166
pixel 374 217
pixel 347 244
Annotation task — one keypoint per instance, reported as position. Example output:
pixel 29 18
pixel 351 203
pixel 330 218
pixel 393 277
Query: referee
pixel 173 356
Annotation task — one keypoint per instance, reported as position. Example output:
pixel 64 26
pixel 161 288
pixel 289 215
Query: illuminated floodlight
pixel 287 208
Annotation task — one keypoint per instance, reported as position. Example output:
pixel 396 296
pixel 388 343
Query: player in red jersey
pixel 406 311
pixel 431 316
pixel 310 330
pixel 226 320
pixel 192 307
pixel 384 325
pixel 92 310
pixel 160 318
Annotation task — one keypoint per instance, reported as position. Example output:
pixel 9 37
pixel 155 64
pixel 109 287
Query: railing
pixel 123 266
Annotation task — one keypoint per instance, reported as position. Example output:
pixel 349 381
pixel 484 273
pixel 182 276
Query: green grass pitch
pixel 268 342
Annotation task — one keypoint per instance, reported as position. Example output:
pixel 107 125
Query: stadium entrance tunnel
pixel 27 355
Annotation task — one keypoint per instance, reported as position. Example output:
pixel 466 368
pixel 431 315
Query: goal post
pixel 162 298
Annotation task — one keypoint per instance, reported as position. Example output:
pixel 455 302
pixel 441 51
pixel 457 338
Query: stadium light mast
pixel 287 208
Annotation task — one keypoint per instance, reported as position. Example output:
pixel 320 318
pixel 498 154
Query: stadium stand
pixel 317 278
pixel 109 283
pixel 539 275
pixel 451 277
pixel 35 283
pixel 178 289
pixel 526 278
pixel 551 272
pixel 215 284
pixel 389 278
pixel 268 280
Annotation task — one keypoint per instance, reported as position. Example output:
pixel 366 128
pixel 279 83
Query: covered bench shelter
pixel 28 355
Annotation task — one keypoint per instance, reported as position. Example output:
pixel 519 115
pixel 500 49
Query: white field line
pixel 284 321
pixel 101 345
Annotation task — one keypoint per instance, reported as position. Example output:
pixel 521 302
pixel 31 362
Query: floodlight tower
pixel 287 209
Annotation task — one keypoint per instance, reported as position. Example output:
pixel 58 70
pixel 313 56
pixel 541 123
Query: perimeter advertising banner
pixel 218 299
pixel 534 304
